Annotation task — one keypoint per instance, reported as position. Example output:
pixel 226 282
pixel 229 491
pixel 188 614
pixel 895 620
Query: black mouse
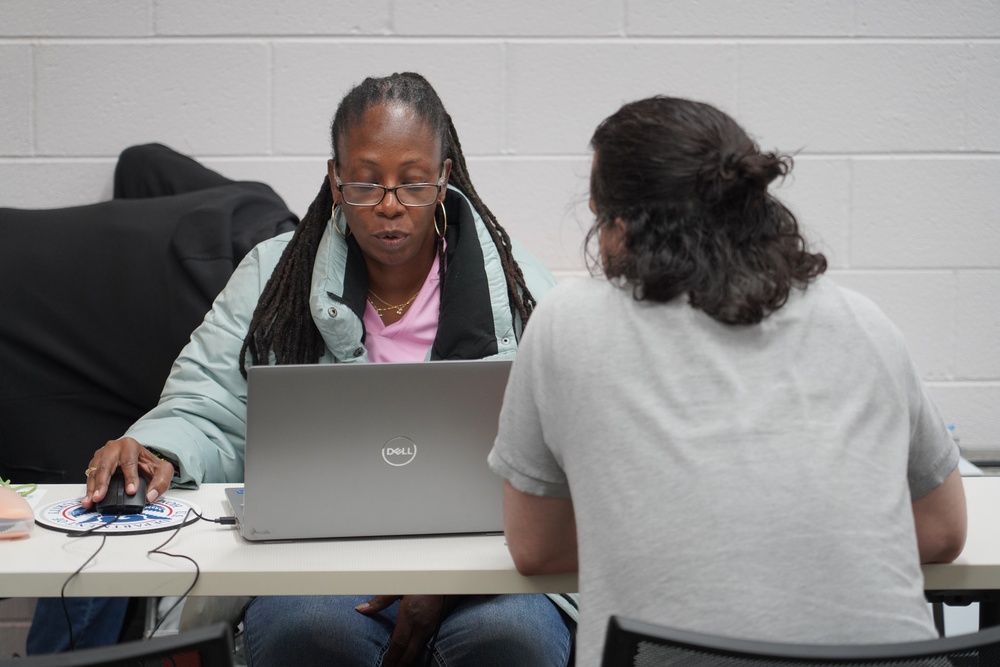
pixel 116 501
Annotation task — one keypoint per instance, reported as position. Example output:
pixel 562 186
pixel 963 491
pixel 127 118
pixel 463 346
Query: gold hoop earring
pixel 444 216
pixel 333 219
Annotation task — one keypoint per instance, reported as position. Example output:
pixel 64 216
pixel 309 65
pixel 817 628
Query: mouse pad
pixel 70 516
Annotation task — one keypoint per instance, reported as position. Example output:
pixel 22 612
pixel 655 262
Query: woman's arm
pixel 541 532
pixel 941 521
pixel 200 419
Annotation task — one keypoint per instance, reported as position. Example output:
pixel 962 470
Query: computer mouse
pixel 116 501
pixel 16 517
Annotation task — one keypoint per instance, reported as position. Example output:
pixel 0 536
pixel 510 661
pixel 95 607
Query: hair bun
pixel 736 176
pixel 763 168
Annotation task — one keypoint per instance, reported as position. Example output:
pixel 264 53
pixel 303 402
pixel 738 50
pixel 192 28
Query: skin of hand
pixel 416 620
pixel 134 460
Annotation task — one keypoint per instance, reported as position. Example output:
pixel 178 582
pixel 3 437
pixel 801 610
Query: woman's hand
pixel 134 460
pixel 416 621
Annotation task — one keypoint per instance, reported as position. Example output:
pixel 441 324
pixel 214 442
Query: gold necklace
pixel 388 306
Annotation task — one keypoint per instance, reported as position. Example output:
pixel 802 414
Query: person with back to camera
pixel 749 447
pixel 397 259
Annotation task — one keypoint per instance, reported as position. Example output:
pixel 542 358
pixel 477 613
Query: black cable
pixel 429 656
pixel 197 569
pixel 226 520
pixel 62 591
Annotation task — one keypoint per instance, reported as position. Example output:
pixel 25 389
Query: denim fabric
pixel 96 622
pixel 482 631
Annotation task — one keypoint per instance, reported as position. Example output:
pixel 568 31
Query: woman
pixel 749 447
pixel 397 259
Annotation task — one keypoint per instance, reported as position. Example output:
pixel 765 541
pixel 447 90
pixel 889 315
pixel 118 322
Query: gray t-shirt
pixel 751 481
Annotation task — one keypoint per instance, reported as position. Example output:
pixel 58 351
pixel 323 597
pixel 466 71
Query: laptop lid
pixel 360 450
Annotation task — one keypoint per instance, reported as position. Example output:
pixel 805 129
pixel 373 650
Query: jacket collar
pixel 474 304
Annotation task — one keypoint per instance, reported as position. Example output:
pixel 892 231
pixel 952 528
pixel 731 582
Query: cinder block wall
pixel 889 105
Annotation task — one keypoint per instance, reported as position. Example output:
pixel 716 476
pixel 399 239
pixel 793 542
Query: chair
pixel 638 644
pixel 210 646
pixel 97 301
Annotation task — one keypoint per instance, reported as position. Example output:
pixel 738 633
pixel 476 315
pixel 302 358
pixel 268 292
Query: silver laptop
pixel 361 450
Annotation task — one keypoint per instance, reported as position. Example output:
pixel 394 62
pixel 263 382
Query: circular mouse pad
pixel 70 516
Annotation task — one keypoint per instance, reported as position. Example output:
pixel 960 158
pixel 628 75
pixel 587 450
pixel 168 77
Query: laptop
pixel 366 450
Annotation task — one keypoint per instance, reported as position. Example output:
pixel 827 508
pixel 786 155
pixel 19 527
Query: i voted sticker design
pixel 70 515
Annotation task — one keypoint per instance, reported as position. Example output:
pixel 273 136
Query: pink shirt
pixel 410 338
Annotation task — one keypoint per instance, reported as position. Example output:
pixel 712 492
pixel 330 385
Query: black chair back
pixel 211 646
pixel 631 643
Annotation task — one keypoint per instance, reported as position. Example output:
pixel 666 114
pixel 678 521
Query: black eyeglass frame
pixel 406 186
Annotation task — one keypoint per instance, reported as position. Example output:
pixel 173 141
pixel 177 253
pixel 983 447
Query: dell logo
pixel 399 451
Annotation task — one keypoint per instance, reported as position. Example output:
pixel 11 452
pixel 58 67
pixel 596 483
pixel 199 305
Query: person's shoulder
pixel 860 304
pixel 258 264
pixel 577 285
pixel 268 252
pixel 536 274
pixel 275 244
pixel 579 293
pixel 844 307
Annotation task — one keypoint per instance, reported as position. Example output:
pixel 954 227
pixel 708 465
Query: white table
pixel 975 575
pixel 978 568
pixel 39 565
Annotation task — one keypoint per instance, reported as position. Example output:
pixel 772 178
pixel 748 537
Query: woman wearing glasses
pixel 396 260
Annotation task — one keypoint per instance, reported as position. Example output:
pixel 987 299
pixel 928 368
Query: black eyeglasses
pixel 371 194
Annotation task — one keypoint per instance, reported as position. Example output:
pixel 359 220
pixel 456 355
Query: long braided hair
pixel 282 322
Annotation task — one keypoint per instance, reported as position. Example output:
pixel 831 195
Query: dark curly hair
pixel 690 189
pixel 282 322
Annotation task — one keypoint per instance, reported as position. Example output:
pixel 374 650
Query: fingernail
pixel 152 496
pixel 364 606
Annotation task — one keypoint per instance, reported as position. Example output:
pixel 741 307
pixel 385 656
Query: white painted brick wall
pixel 736 18
pixel 889 105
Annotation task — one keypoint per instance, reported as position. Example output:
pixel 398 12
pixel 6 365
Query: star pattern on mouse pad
pixel 70 516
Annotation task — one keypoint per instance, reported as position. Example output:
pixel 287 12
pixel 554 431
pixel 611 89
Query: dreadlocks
pixel 282 322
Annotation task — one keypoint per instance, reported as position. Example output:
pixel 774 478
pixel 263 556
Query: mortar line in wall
pixel 911 270
pixel 504 107
pixel 804 40
pixel 276 157
pixel 33 99
pixel 152 18
pixel 272 95
pixel 509 157
pixel 907 270
pixel 954 324
pixel 893 155
pixel 738 73
pixel 850 210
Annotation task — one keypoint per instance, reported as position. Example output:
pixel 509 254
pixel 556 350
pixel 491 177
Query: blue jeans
pixel 481 631
pixel 96 622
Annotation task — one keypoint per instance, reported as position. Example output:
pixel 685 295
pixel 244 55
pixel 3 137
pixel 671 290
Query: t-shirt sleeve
pixel 520 453
pixel 933 453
